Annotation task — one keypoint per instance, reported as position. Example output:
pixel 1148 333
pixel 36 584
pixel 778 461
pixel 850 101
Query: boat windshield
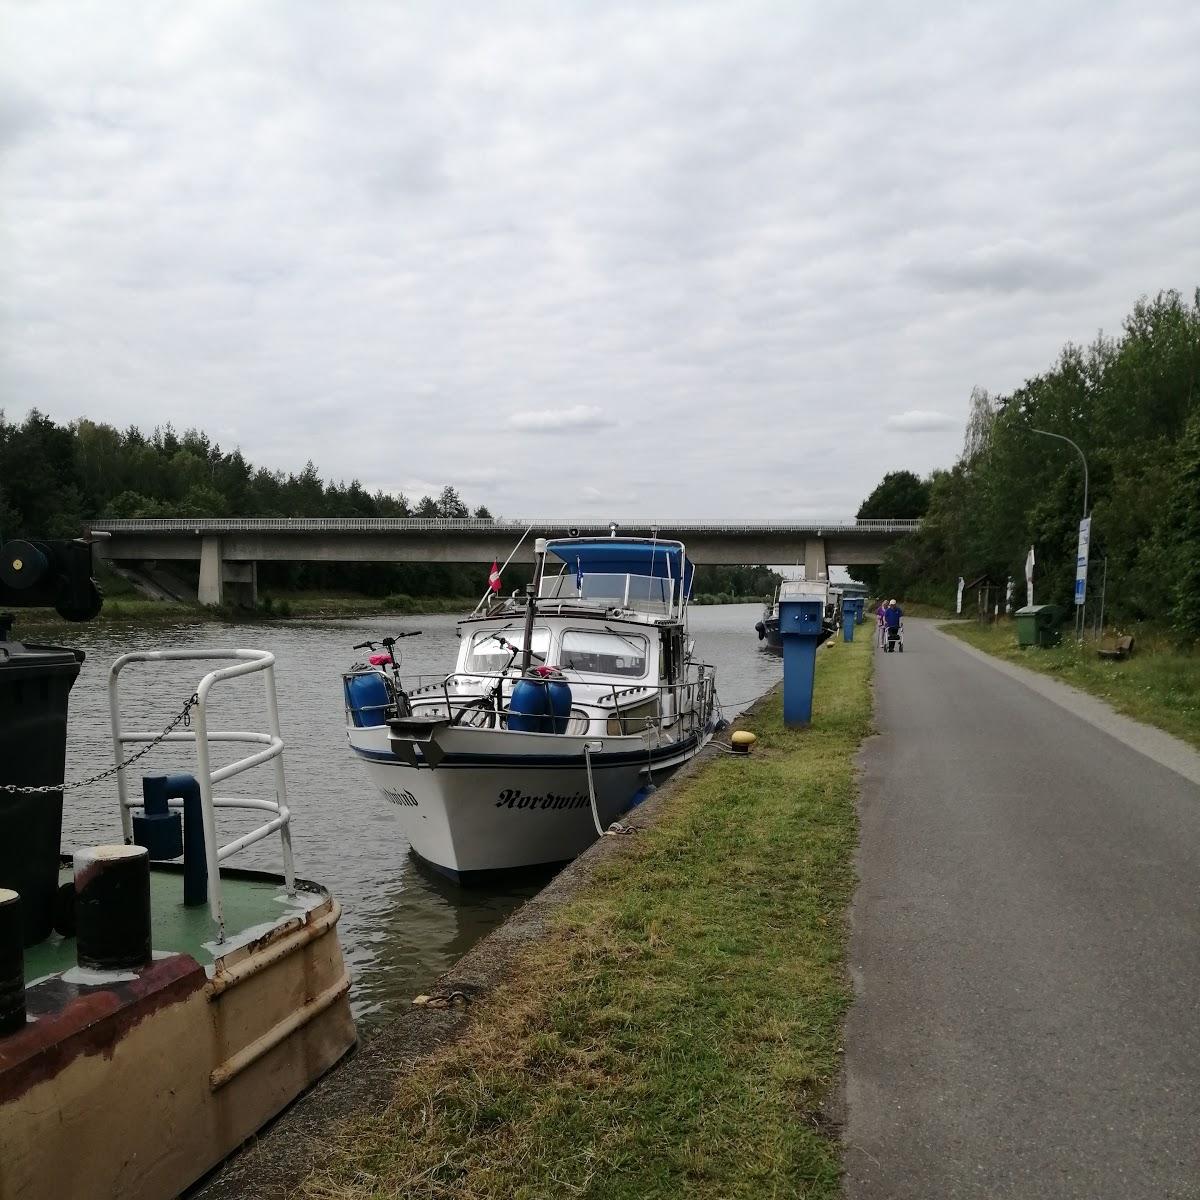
pixel 645 592
pixel 489 655
pixel 604 653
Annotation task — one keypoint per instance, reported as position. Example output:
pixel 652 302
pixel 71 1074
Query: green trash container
pixel 1038 625
pixel 1049 626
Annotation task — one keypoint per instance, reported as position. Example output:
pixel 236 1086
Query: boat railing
pixel 270 750
pixel 482 692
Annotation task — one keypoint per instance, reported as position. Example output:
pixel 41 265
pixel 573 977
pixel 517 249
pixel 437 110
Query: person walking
pixel 892 614
pixel 880 625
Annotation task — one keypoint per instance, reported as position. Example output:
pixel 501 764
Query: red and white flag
pixel 494 576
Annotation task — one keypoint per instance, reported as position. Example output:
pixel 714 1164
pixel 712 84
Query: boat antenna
pixel 535 587
pixel 509 559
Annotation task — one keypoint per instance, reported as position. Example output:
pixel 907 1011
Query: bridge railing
pixel 214 526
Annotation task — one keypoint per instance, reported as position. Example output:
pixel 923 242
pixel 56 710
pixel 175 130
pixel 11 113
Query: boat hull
pixel 140 1084
pixel 485 809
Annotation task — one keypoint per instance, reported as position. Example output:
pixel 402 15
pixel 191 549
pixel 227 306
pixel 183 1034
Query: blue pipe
pixel 156 791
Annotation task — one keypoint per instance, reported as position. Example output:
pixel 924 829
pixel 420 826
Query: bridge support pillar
pixel 221 581
pixel 814 559
pixel 241 583
pixel 212 577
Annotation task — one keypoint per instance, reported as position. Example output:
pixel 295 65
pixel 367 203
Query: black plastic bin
pixel 35 683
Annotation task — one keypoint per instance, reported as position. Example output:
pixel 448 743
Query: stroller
pixel 894 638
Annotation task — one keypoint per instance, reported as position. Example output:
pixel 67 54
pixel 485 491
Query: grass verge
pixel 678 1030
pixel 1160 684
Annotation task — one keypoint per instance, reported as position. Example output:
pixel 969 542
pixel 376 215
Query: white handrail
pixel 246 662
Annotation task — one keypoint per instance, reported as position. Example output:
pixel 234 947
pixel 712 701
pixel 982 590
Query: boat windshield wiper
pixel 632 645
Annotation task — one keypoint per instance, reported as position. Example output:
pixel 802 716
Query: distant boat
pixel 558 714
pixel 767 626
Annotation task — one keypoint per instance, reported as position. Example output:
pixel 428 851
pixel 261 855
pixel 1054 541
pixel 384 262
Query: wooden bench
pixel 1118 649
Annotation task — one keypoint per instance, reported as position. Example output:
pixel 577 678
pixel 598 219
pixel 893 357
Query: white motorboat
pixel 563 707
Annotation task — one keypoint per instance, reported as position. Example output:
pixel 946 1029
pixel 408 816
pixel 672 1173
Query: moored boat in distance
pixel 153 1015
pixel 767 626
pixel 562 708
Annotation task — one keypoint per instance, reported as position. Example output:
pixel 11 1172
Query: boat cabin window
pixel 644 592
pixel 487 654
pixel 604 653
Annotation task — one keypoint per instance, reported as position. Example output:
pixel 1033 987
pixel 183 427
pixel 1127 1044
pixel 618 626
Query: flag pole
pixel 531 604
pixel 509 559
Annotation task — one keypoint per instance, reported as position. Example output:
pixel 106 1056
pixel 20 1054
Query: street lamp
pixel 1080 619
pixel 1059 436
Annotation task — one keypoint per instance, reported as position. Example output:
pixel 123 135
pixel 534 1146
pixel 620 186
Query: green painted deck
pixel 248 903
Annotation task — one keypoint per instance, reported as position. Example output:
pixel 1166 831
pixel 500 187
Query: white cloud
pixel 725 241
pixel 918 420
pixel 560 420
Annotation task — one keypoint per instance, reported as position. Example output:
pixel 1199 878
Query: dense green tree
pixel 450 505
pixel 1131 403
pixel 900 495
pixel 1179 538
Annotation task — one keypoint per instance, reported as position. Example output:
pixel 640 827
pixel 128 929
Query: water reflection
pixel 401 926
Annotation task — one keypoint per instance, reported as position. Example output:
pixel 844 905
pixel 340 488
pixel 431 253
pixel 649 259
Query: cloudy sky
pixel 732 259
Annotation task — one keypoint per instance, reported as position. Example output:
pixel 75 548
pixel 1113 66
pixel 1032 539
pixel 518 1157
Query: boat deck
pixel 252 902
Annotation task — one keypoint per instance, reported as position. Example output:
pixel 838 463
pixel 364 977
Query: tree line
pixel 55 479
pixel 1131 404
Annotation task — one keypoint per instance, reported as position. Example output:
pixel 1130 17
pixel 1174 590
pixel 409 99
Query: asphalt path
pixel 1025 944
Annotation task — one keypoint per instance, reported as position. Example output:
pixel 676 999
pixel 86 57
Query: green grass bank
pixel 678 1030
pixel 1159 685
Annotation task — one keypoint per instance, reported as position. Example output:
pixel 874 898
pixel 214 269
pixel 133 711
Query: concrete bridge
pixel 229 550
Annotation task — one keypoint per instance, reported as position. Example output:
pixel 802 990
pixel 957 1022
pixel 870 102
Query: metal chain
pixel 182 717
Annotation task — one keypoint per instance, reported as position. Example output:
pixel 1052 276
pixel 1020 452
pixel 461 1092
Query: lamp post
pixel 1079 615
pixel 1059 436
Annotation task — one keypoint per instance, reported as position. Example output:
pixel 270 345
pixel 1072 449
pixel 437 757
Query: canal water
pixel 401 925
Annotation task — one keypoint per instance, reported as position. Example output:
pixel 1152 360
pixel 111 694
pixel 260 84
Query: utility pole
pixel 1080 605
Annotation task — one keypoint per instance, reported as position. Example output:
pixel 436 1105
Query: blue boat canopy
pixel 625 556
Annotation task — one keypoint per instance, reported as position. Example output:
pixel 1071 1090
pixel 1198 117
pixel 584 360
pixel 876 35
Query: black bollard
pixel 12 964
pixel 112 908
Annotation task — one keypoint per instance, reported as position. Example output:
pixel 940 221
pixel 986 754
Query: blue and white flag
pixel 578 574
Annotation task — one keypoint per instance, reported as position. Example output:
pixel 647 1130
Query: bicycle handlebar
pixel 387 640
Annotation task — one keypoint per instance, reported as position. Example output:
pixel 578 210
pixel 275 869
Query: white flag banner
pixel 1029 561
pixel 1008 595
pixel 958 601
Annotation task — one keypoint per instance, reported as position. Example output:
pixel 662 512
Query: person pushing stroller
pixel 893 616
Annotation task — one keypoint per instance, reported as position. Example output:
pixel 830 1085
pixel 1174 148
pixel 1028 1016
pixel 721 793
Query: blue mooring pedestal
pixel 800 630
pixel 848 623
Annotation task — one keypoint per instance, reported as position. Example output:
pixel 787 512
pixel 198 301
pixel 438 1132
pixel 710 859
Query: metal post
pixel 118 745
pixel 204 773
pixel 539 567
pixel 285 830
pixel 1080 609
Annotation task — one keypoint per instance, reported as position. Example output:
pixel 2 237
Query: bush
pixel 398 602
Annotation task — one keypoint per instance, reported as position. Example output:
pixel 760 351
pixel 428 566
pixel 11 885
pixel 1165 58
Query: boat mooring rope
pixel 587 759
